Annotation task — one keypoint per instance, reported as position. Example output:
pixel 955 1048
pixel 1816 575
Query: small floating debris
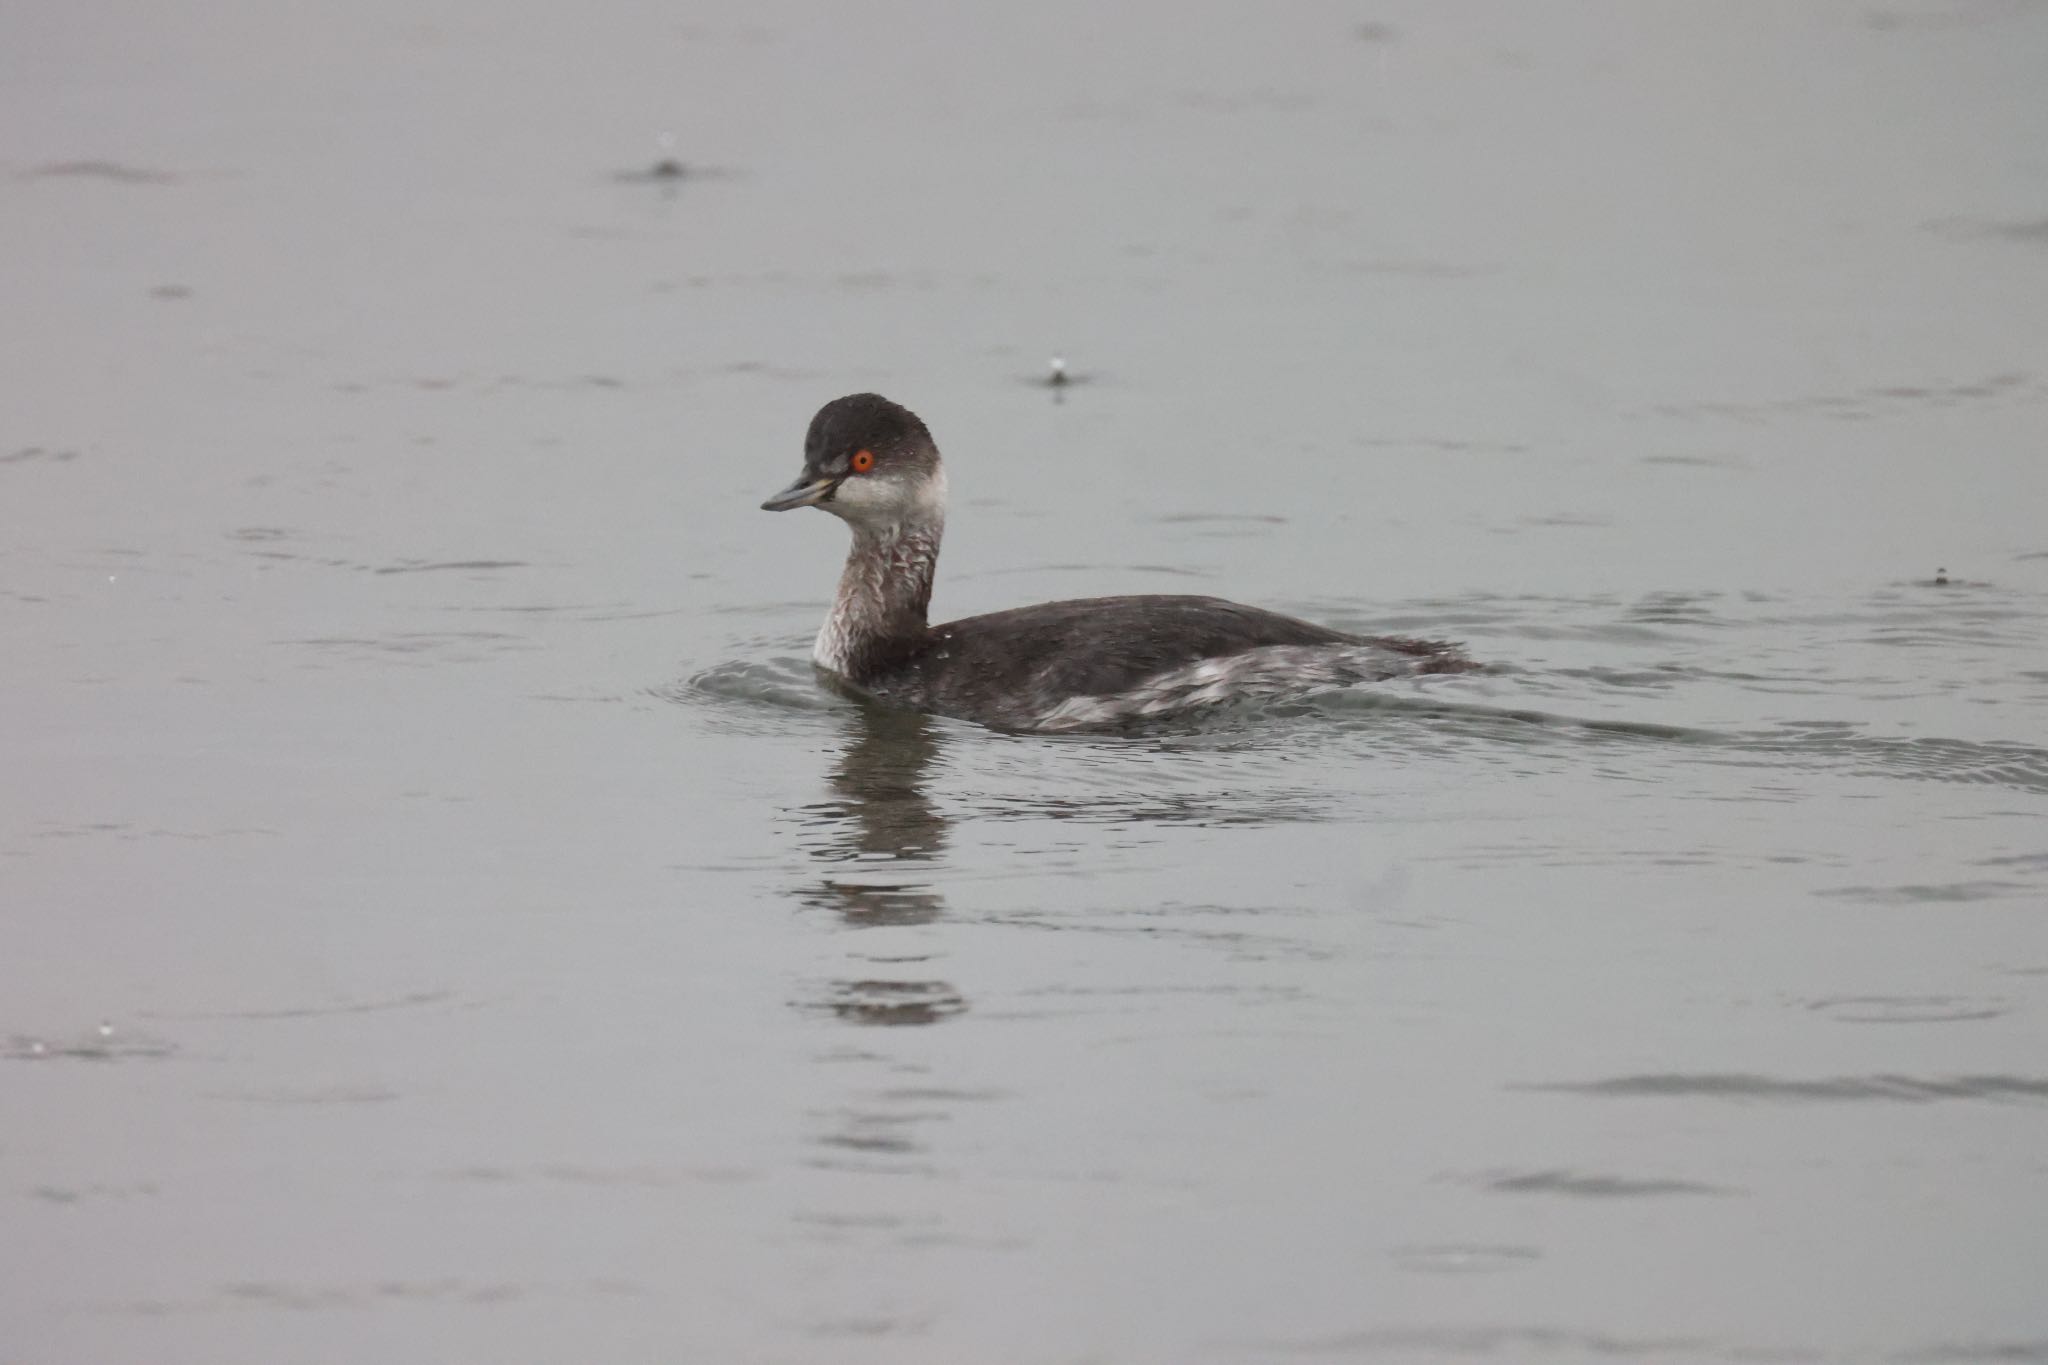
pixel 669 168
pixel 1058 377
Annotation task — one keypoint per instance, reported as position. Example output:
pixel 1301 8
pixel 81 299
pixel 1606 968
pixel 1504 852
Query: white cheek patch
pixel 868 500
pixel 881 501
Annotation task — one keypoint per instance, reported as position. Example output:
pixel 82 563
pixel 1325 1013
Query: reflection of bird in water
pixel 882 813
pixel 882 775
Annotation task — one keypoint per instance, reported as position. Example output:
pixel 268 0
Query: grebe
pixel 1089 664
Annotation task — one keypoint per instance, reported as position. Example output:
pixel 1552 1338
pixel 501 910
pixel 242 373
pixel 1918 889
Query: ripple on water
pixel 1519 724
pixel 767 687
pixel 417 648
pixel 1592 1185
pixel 451 566
pixel 1926 893
pixel 1464 1258
pixel 1842 747
pixel 1749 1087
pixel 1977 1353
pixel 1865 404
pixel 324 1009
pixel 105 1043
pixel 1494 1343
pixel 303 1297
pixel 1909 1009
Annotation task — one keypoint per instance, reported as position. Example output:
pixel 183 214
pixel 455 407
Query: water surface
pixel 445 919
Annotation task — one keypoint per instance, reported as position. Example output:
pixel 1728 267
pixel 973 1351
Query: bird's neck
pixel 879 614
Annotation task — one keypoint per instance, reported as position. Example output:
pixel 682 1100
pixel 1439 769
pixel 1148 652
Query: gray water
pixel 445 920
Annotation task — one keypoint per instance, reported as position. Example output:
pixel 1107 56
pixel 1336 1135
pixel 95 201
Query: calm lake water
pixel 444 919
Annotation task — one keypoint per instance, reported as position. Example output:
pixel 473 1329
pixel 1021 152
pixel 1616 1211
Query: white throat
pixel 886 586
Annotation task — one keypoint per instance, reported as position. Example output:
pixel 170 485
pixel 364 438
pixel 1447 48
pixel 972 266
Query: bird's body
pixel 1088 663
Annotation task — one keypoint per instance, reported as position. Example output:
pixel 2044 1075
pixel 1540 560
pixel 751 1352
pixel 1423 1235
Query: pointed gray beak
pixel 803 493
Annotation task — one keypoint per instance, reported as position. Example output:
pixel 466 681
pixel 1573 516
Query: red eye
pixel 863 461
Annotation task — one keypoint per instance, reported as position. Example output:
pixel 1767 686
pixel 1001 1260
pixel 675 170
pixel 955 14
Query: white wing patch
pixel 1269 673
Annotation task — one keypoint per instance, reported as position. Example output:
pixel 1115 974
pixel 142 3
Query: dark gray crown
pixel 867 421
